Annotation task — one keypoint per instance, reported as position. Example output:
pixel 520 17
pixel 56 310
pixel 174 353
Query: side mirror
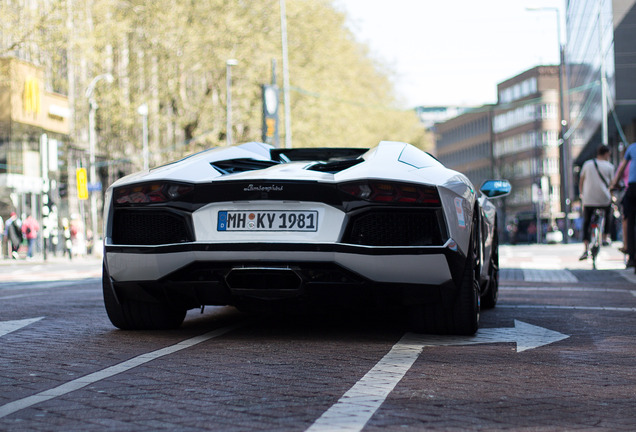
pixel 495 188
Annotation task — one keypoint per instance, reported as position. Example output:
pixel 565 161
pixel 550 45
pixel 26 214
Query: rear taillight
pixel 151 193
pixel 392 192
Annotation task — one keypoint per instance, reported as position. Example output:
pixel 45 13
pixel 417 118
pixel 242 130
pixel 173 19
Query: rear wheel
pixel 138 315
pixel 465 311
pixel 489 299
pixel 461 317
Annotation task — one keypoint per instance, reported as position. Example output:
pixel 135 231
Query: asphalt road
pixel 556 354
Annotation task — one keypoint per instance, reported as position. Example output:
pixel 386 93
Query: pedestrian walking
pixel 594 187
pixel 30 228
pixel 68 242
pixel 629 200
pixel 13 233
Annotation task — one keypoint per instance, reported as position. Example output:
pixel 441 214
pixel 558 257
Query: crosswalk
pixel 558 263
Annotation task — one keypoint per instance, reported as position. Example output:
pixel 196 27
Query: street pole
pixel 564 149
pixel 92 142
pixel 143 112
pixel 283 31
pixel 228 84
pixel 564 153
pixel 601 50
pixel 44 157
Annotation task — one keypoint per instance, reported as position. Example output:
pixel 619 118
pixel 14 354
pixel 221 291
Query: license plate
pixel 267 220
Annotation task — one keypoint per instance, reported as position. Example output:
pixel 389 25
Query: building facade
pixel 517 139
pixel 528 135
pixel 34 128
pixel 464 143
pixel 601 70
pixel 526 127
pixel 430 115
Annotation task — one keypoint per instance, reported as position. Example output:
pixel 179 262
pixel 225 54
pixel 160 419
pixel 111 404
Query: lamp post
pixel 143 112
pixel 564 151
pixel 283 32
pixel 228 83
pixel 92 141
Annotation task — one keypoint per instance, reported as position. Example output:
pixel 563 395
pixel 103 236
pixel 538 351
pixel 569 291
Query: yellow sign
pixel 271 127
pixel 82 184
pixel 31 96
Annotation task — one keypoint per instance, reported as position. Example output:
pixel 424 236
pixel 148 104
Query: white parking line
pixel 354 409
pixel 79 383
pixel 357 406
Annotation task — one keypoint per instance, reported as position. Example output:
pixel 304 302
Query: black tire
pixel 490 297
pixel 461 317
pixel 464 317
pixel 137 315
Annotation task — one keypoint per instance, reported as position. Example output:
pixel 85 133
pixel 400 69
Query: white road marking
pixel 592 308
pixel 548 275
pixel 563 288
pixel 35 294
pixel 79 383
pixel 11 326
pixel 13 286
pixel 357 406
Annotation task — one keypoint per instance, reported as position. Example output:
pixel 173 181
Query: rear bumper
pixel 318 274
pixel 410 265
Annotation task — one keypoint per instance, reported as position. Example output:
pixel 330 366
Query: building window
pixel 518 91
pixel 547 111
pixel 513 118
pixel 549 139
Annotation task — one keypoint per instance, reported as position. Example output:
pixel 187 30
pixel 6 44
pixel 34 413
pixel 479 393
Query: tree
pixel 171 54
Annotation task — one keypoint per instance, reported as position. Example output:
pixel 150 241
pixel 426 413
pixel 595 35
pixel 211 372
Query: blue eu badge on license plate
pixel 222 221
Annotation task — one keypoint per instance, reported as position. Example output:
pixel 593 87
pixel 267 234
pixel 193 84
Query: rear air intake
pixel 156 227
pixel 394 228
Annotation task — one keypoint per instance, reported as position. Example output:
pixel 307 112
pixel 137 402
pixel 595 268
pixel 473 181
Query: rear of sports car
pixel 266 234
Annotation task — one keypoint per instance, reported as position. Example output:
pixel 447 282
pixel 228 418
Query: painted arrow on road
pixel 10 326
pixel 357 406
pixel 526 336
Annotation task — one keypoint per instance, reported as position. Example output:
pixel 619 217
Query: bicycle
pixel 597 228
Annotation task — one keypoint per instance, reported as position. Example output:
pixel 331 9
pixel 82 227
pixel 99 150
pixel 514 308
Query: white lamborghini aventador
pixel 258 227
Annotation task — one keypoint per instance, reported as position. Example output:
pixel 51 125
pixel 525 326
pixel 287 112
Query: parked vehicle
pixel 256 227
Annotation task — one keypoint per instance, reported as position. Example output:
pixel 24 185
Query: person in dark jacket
pixel 13 232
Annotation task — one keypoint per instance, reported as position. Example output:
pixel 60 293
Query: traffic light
pixel 270 114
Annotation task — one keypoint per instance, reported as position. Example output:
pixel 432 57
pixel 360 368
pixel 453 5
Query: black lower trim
pixel 193 294
pixel 280 247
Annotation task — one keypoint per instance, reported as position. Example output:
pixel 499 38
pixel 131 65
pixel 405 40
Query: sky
pixel 455 52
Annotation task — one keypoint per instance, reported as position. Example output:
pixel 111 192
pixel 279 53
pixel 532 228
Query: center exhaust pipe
pixel 264 282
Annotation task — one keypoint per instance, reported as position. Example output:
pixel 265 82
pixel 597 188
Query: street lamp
pixel 92 107
pixel 228 83
pixel 143 112
pixel 564 151
pixel 283 35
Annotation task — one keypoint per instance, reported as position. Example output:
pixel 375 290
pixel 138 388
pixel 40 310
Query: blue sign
pixel 93 187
